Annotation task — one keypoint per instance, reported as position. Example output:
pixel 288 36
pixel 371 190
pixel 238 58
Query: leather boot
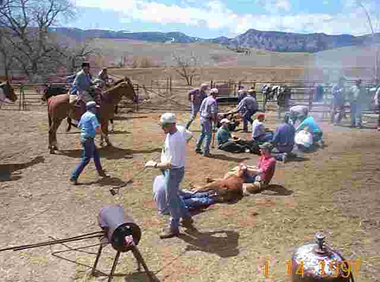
pixel 169 233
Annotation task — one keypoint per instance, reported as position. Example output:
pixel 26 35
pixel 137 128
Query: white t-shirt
pixel 186 133
pixel 174 149
pixel 304 138
pixel 257 128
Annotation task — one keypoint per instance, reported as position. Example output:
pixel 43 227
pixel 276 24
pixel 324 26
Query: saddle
pixel 78 106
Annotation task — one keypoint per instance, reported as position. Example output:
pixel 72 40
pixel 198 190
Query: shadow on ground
pixel 227 158
pixel 135 276
pixel 109 153
pixel 276 190
pixel 222 243
pixel 10 172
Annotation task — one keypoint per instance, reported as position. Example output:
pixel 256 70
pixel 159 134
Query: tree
pixel 377 49
pixel 79 52
pixel 26 25
pixel 7 56
pixel 187 67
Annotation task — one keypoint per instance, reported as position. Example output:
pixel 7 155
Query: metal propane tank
pixel 316 262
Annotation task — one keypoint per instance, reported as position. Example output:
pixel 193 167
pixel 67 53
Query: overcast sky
pixel 210 19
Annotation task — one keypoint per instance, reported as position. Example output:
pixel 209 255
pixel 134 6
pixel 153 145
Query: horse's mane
pixel 120 83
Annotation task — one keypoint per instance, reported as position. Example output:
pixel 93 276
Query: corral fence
pixel 29 97
pixel 302 93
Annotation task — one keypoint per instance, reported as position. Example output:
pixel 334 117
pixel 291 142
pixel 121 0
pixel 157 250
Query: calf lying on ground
pixel 244 180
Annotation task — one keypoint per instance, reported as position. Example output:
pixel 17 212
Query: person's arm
pixel 276 136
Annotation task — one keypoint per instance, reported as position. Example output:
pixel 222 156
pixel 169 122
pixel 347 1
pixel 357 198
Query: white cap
pixel 214 91
pixel 91 104
pixel 168 118
pixel 224 121
pixel 204 86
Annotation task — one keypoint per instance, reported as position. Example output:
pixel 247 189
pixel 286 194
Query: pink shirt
pixel 268 166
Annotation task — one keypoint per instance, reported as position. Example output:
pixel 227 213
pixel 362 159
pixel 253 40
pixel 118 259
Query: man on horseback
pixel 82 85
pixel 103 76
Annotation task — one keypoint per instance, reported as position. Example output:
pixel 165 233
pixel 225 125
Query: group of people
pixel 355 97
pixel 176 202
pixel 204 102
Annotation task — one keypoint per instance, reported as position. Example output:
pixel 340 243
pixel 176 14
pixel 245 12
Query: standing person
pixel 357 93
pixel 283 140
pixel 196 98
pixel 172 167
pixel 209 114
pixel 82 83
pixel 89 126
pixel 247 107
pixel 338 101
pixel 377 103
pixel 242 93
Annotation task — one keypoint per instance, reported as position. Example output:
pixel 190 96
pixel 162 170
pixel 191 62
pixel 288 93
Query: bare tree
pixel 26 26
pixel 79 52
pixel 187 67
pixel 377 48
pixel 7 56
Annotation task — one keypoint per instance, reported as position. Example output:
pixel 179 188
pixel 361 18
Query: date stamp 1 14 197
pixel 336 269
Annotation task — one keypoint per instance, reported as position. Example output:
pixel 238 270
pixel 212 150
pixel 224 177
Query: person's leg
pixel 353 113
pixel 268 136
pixel 208 133
pixel 358 115
pixel 201 136
pixel 176 206
pixel 232 147
pixel 277 154
pixel 333 112
pixel 96 157
pixel 86 157
pixel 194 111
pixel 159 195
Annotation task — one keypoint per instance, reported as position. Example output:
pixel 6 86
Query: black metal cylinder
pixel 119 228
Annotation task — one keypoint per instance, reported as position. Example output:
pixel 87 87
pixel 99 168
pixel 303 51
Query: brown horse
pixel 59 108
pixel 7 93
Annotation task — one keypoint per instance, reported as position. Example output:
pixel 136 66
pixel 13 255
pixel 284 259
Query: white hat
pixel 168 118
pixel 91 104
pixel 214 91
pixel 204 86
pixel 224 121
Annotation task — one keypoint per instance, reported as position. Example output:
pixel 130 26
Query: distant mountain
pixel 268 40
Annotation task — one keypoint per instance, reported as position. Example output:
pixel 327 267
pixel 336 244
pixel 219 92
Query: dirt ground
pixel 335 190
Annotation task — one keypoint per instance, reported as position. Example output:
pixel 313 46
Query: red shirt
pixel 268 166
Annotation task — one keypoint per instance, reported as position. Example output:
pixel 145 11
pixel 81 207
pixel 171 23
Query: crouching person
pixel 283 140
pixel 313 128
pixel 229 143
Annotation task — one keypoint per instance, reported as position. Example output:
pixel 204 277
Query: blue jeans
pixel 356 114
pixel 247 117
pixel 206 133
pixel 194 111
pixel 89 151
pixel 196 200
pixel 265 138
pixel 176 206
